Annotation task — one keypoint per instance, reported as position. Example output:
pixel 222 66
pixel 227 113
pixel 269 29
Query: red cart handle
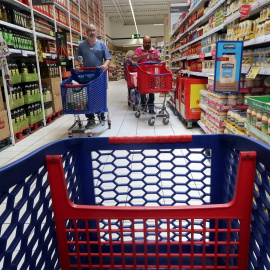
pixel 74 85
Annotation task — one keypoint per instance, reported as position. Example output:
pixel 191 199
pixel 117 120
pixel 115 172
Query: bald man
pixel 147 53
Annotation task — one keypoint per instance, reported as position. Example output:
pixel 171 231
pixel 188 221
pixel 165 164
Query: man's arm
pixel 136 58
pixel 107 57
pixel 157 56
pixel 76 62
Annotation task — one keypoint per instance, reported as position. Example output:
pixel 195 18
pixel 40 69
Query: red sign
pixel 213 53
pixel 201 56
pixel 223 59
pixel 244 11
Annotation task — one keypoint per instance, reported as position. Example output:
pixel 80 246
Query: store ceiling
pixel 146 11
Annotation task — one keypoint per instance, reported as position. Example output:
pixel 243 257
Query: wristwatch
pixel 105 65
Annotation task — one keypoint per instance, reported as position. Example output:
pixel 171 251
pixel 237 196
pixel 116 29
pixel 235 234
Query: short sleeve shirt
pixel 141 50
pixel 93 56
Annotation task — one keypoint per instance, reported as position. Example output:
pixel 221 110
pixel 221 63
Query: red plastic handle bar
pixel 150 139
pixel 74 85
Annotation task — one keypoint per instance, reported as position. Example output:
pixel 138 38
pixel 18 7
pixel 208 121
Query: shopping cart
pixel 133 95
pixel 154 78
pixel 151 202
pixel 84 93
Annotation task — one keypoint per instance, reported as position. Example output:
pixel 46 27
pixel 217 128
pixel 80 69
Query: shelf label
pixel 244 11
pixel 24 53
pixel 252 73
pixel 44 55
pixel 54 56
pixel 202 56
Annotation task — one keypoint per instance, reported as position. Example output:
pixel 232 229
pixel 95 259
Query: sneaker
pixel 152 112
pixel 91 123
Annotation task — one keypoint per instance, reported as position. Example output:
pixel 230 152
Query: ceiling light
pixel 156 24
pixel 132 11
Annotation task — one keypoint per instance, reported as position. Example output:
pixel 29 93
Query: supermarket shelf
pixel 263 70
pixel 74 17
pixel 85 24
pixel 18 4
pixel 75 44
pixel 60 8
pixel 254 8
pixel 16 27
pixel 62 25
pixel 216 29
pixel 175 68
pixel 200 74
pixel 179 59
pixel 75 31
pixel 258 133
pixel 177 49
pixel 203 107
pixel 22 52
pixel 202 20
pixel 43 16
pixel 40 35
pixel 49 55
pixel 197 56
pixel 202 126
pixel 233 129
pixel 191 12
pixel 258 40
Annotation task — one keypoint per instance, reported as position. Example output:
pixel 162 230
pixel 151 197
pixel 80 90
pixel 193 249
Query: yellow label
pixel 52 33
pixel 195 95
pixel 44 55
pixel 252 73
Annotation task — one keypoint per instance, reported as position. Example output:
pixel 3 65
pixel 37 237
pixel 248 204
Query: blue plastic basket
pixel 100 173
pixel 89 96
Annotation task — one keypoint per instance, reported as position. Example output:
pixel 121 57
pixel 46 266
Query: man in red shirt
pixel 147 53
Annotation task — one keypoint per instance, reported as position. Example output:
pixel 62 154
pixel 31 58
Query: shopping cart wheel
pixel 109 125
pixel 165 121
pixel 151 122
pixel 133 108
pixel 137 114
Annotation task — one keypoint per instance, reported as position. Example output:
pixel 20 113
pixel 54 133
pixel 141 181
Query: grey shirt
pixel 93 56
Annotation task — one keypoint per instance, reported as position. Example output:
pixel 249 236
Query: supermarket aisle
pixel 123 120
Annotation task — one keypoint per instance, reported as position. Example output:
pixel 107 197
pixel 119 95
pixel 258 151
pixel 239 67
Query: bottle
pixel 229 116
pixel 259 120
pixel 253 116
pixel 232 99
pixel 4 13
pixel 21 114
pixel 37 89
pixel 268 132
pixel 265 119
pixel 20 92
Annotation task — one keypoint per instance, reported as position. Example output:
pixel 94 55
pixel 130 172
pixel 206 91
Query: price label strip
pixel 253 72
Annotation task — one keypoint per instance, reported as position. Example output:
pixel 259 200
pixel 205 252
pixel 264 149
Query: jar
pixel 259 120
pixel 240 99
pixel 233 118
pixel 232 99
pixel 220 130
pixel 248 83
pixel 226 131
pixel 229 116
pixel 241 123
pixel 265 119
pixel 236 119
pixel 242 80
pixel 257 81
pixel 267 56
pixel 253 117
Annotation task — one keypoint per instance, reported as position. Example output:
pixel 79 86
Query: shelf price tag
pixel 54 56
pixel 202 56
pixel 24 53
pixel 252 73
pixel 244 11
pixel 44 55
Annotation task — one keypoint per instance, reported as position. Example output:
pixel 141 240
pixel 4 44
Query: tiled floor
pixel 123 120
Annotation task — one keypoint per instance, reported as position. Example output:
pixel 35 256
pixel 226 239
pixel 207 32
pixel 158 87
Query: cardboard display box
pixel 2 106
pixel 54 83
pixel 57 103
pixel 4 126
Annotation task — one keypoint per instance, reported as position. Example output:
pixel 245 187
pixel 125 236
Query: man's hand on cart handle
pixel 104 67
pixel 78 68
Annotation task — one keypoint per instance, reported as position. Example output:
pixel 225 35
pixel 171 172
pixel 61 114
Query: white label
pixel 24 53
pixel 54 56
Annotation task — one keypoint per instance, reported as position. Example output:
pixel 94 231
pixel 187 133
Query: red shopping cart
pixel 154 78
pixel 132 75
pixel 138 203
pixel 85 93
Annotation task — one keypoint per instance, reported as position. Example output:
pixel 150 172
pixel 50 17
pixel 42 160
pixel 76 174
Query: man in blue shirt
pixel 94 53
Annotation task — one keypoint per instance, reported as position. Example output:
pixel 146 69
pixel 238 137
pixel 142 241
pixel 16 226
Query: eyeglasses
pixel 92 31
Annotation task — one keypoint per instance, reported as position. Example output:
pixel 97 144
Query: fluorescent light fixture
pixel 156 24
pixel 132 11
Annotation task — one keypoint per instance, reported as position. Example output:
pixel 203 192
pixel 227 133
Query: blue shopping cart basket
pixel 85 92
pixel 154 171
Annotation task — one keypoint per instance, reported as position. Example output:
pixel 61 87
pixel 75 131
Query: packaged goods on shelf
pixel 44 27
pixel 4 125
